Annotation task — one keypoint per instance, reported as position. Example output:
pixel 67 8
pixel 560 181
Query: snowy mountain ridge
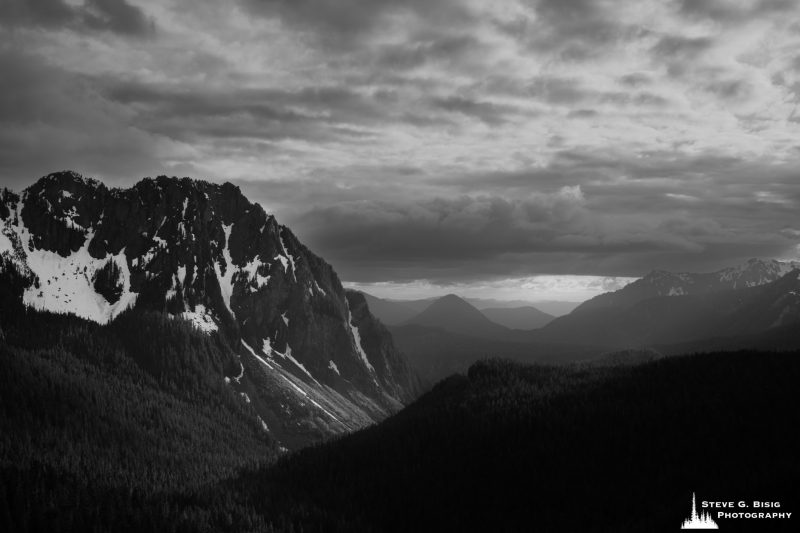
pixel 203 252
pixel 753 273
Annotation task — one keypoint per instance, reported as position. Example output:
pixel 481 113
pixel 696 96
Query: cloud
pixel 345 23
pixel 685 215
pixel 310 113
pixel 674 46
pixel 117 16
pixel 571 30
pixel 424 139
pixel 51 119
pixel 467 235
pixel 733 12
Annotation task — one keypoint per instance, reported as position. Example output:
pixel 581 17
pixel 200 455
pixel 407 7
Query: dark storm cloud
pixel 673 46
pixel 345 23
pixel 574 30
pixel 686 214
pixel 116 16
pixel 592 169
pixel 726 11
pixel 636 79
pixel 312 113
pixel 729 89
pixel 568 92
pixel 51 119
pixel 428 48
pixel 490 113
pixel 467 238
pixel 317 114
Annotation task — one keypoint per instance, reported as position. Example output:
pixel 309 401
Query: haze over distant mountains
pixel 526 317
pixel 752 305
pixel 665 308
pixel 453 314
pixel 513 315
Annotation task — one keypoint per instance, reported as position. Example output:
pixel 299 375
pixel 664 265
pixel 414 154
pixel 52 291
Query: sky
pixel 539 148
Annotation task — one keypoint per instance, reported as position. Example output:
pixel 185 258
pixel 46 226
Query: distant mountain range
pixel 551 307
pixel 660 283
pixel 665 308
pixel 755 305
pixel 449 310
pixel 455 315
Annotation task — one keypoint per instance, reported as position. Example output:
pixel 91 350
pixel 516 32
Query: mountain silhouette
pixel 454 314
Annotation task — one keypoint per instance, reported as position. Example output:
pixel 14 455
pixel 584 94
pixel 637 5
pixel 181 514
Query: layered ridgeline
pixel 759 299
pixel 312 360
pixel 657 283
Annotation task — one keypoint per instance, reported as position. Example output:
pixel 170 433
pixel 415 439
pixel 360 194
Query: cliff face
pixel 203 252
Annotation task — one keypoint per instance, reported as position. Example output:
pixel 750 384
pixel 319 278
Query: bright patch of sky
pixel 532 289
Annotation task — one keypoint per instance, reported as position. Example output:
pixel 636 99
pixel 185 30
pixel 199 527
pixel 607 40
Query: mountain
pixel 527 317
pixel 417 305
pixel 515 314
pixel 551 307
pixel 390 312
pixel 311 358
pixel 698 315
pixel 658 283
pixel 785 337
pixel 450 335
pixel 451 313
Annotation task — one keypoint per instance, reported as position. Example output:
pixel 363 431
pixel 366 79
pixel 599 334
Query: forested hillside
pixel 535 448
pixel 111 428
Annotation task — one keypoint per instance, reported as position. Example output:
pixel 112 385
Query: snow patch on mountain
pixel 226 279
pixel 6 245
pixel 66 284
pixel 333 367
pixel 254 354
pixel 284 261
pixel 238 378
pixel 267 347
pixel 254 276
pixel 319 289
pixel 201 318
pixel 289 380
pixel 289 256
pixel 356 337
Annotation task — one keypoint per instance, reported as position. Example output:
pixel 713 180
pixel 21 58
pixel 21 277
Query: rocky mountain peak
pixel 203 252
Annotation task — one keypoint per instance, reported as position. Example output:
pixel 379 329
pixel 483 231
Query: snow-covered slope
pixel 203 252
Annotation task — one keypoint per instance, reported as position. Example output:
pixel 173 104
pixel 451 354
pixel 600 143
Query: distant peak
pixel 453 299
